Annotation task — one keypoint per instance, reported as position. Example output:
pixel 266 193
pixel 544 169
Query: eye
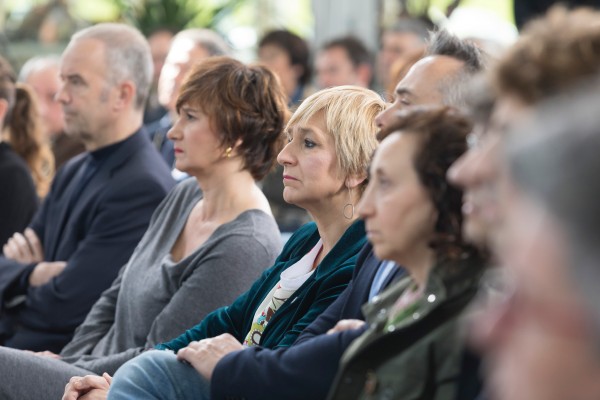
pixel 383 182
pixel 189 116
pixel 309 144
pixel 404 102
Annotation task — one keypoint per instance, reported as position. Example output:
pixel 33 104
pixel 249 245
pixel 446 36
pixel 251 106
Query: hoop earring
pixel 228 152
pixel 349 207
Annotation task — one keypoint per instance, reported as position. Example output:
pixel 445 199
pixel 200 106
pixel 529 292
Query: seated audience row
pixel 100 202
pixel 337 316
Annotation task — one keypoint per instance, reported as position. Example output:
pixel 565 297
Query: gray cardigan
pixel 155 299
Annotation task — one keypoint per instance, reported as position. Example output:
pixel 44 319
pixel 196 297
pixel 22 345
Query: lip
pixel 370 234
pixel 177 150
pixel 289 178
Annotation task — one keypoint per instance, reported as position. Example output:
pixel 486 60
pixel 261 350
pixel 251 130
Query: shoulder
pixel 251 230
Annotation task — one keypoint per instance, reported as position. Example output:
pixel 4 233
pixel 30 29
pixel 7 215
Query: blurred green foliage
pixel 150 15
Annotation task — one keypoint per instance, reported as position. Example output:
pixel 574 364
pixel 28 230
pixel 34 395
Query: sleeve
pixel 113 234
pixel 327 319
pixel 257 373
pixel 17 203
pixel 220 278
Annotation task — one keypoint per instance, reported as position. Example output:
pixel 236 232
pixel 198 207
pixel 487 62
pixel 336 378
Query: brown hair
pixel 441 133
pixel 243 103
pixel 22 128
pixel 553 53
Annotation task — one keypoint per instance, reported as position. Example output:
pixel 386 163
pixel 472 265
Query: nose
pixel 286 156
pixel 61 95
pixel 365 205
pixel 382 120
pixel 175 132
pixel 475 166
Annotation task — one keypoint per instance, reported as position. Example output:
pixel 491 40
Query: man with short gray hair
pixel 42 73
pixel 441 77
pixel 100 202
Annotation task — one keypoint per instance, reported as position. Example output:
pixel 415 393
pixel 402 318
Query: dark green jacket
pixel 419 357
pixel 329 279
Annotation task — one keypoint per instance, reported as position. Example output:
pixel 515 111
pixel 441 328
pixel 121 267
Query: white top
pixel 290 280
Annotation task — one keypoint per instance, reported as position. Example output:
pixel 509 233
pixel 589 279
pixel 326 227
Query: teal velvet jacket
pixel 327 282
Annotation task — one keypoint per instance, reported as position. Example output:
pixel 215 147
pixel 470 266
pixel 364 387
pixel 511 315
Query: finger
pixel 107 377
pixel 12 250
pixel 95 382
pixel 35 244
pixel 23 246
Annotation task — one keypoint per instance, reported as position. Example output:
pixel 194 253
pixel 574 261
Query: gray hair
pixel 38 63
pixel 413 26
pixel 211 41
pixel 554 160
pixel 128 56
pixel 455 88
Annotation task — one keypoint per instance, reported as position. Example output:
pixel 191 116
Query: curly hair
pixel 244 103
pixel 553 53
pixel 441 133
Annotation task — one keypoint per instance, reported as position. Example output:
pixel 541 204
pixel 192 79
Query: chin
pixel 381 252
pixel 475 233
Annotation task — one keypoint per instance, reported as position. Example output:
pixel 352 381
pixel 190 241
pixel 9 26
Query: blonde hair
pixel 349 113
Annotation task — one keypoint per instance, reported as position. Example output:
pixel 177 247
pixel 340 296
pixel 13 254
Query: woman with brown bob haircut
pixel 210 238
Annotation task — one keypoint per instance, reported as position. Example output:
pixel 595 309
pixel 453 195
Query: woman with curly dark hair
pixel 412 348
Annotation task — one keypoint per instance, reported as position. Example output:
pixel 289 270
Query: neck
pixel 331 222
pixel 121 129
pixel 419 263
pixel 229 191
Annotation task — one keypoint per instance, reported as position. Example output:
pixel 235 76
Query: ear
pixel 354 180
pixel 3 109
pixel 125 94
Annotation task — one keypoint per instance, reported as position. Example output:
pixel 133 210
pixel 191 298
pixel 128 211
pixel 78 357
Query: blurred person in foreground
pixel 540 331
pixel 551 56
